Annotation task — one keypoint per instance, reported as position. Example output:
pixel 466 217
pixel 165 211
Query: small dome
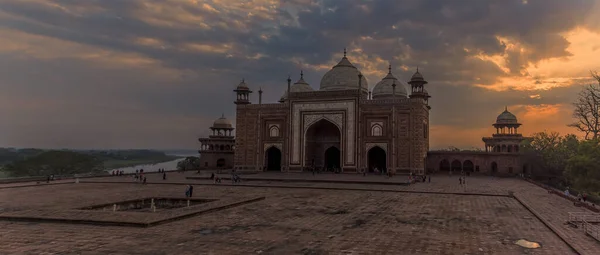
pixel 222 123
pixel 384 88
pixel 242 86
pixel 299 86
pixel 417 76
pixel 343 76
pixel 506 117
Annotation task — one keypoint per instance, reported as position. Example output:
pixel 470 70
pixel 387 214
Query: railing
pixel 586 221
pixel 592 230
pixel 579 217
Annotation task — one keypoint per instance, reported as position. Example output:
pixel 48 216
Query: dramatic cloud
pixel 155 73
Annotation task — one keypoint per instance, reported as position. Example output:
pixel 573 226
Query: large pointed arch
pixel 318 138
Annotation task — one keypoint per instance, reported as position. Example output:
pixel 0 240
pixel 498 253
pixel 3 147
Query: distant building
pixel 502 154
pixel 342 126
pixel 216 151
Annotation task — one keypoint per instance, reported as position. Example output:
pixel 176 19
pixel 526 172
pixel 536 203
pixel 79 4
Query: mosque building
pixel 344 127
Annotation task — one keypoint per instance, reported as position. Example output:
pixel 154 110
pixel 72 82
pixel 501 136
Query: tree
pixel 189 163
pixel 54 163
pixel 550 151
pixel 582 169
pixel 587 110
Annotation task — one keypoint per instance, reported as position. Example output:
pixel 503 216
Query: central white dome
pixel 343 76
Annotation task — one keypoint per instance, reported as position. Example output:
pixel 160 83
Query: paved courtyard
pixel 302 218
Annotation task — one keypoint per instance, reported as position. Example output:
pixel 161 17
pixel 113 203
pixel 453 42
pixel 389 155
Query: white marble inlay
pixel 276 145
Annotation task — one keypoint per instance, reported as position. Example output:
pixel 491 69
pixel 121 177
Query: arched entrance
pixel 444 165
pixel 221 162
pixel 376 159
pixel 322 145
pixel 456 166
pixel 332 158
pixel 468 166
pixel 494 167
pixel 273 159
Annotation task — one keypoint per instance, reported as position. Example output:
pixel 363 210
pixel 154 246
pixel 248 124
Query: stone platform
pixel 303 218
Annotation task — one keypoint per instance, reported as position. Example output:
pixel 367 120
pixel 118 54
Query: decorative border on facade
pixel 348 106
pixel 370 146
pixel 276 145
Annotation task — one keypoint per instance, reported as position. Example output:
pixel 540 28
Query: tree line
pixel 39 162
pixel 574 161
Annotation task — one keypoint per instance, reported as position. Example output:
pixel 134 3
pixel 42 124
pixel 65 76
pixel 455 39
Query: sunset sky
pixel 157 73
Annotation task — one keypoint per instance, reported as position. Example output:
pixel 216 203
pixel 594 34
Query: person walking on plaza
pixel 429 178
pixel 187 191
pixel 191 190
pixel 164 176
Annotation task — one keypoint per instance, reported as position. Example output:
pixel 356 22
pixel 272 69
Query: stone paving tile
pixel 289 221
pixel 554 210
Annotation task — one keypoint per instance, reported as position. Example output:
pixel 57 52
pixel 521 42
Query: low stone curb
pixel 100 222
pixel 307 180
pixel 306 187
pixel 36 185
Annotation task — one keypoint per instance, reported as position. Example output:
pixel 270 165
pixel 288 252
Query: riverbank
pixel 114 164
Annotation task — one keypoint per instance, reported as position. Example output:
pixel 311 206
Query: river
pixel 169 165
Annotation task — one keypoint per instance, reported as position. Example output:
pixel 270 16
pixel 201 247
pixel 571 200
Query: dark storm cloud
pixel 441 37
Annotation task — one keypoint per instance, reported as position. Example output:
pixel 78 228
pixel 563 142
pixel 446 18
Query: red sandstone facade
pixel 341 126
pixel 502 155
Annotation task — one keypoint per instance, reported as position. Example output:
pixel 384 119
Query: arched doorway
pixel 332 158
pixel 376 159
pixel 494 167
pixel 221 162
pixel 456 166
pixel 322 145
pixel 468 166
pixel 273 159
pixel 444 165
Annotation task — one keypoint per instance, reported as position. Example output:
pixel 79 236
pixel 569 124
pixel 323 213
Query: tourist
pixel 144 180
pixel 187 191
pixel 164 176
pixel 429 178
pixel 191 190
pixel 584 197
pixel 460 181
pixel 48 180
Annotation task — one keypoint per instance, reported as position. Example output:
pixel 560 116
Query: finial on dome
pixel 344 52
pixel 222 115
pixel 506 108
pixel 289 78
pixel 417 69
pixel 390 69
pixel 301 74
pixel 243 80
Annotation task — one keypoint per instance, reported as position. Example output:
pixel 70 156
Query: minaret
pixel 243 93
pixel 393 126
pixel 417 84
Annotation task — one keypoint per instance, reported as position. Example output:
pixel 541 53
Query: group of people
pixel 117 172
pixel 139 176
